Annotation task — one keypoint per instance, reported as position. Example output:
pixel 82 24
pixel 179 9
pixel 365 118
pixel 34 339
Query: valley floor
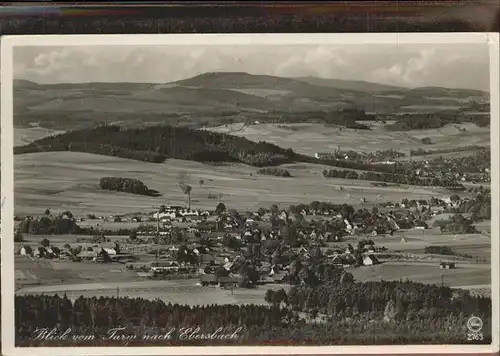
pixel 70 181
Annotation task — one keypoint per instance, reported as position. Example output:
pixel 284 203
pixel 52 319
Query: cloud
pixel 438 66
pixel 407 65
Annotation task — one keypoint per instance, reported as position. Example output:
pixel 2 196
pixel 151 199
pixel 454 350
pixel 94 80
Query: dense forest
pixel 423 121
pixel 126 185
pixel 155 144
pixel 347 117
pixel 356 313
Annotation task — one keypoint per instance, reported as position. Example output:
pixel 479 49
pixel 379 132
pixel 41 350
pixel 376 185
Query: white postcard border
pixel 7 183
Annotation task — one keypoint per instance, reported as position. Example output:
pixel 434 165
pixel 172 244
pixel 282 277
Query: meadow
pixel 64 181
pixel 312 138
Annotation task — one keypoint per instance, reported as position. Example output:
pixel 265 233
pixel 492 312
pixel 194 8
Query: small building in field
pixel 208 279
pixel 207 259
pixel 40 252
pixel 369 260
pixel 26 251
pixel 336 260
pixel 110 251
pixel 160 266
pixel 280 277
pixel 87 255
pixel 102 256
pixel 228 282
pixel 447 265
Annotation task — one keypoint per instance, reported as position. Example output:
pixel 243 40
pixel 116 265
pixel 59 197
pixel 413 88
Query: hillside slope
pixel 354 85
pixel 212 99
pixel 70 181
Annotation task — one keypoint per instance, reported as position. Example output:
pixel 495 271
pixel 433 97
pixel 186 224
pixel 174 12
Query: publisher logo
pixel 474 324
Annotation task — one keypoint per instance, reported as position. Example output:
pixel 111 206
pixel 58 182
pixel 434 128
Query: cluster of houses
pixel 107 252
pixel 179 213
pixel 252 228
pixel 378 157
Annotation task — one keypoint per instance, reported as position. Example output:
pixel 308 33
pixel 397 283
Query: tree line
pixel 423 152
pixel 356 313
pixel 423 121
pixel 457 224
pixel 411 179
pixel 61 224
pixel 274 171
pixel 479 206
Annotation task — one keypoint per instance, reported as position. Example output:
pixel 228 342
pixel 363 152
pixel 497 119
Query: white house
pixel 160 266
pixel 110 251
pixel 393 223
pixel 25 251
pixel 88 255
pixel 165 216
pixel 189 213
pixel 348 225
pixel 369 260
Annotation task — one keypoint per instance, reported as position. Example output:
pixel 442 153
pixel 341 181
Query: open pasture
pixel 32 271
pixel 178 291
pixel 63 181
pixel 26 135
pixel 311 138
pixel 427 273
pixel 415 241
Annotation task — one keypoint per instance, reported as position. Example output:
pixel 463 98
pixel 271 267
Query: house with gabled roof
pixel 370 260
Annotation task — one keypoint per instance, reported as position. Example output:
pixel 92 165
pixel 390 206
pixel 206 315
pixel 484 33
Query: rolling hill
pixel 211 99
pixel 354 85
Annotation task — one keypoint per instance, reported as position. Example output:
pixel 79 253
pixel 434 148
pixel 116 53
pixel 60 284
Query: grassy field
pixel 463 275
pixel 69 181
pixel 311 138
pixel 46 272
pixel 23 135
pixel 415 241
pixel 108 280
pixel 179 291
pixel 424 268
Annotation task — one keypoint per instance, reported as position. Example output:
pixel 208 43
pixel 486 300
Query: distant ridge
pixel 238 80
pixel 218 98
pixel 358 85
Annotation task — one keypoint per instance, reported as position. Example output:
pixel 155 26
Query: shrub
pixel 426 141
pixel 18 237
pixel 274 171
pixel 126 185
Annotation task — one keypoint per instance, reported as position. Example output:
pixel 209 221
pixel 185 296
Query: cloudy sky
pixel 450 65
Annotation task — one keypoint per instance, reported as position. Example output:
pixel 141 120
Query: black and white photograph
pixel 243 190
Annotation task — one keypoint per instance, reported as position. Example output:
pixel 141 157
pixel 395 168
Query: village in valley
pixel 320 210
pixel 226 249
